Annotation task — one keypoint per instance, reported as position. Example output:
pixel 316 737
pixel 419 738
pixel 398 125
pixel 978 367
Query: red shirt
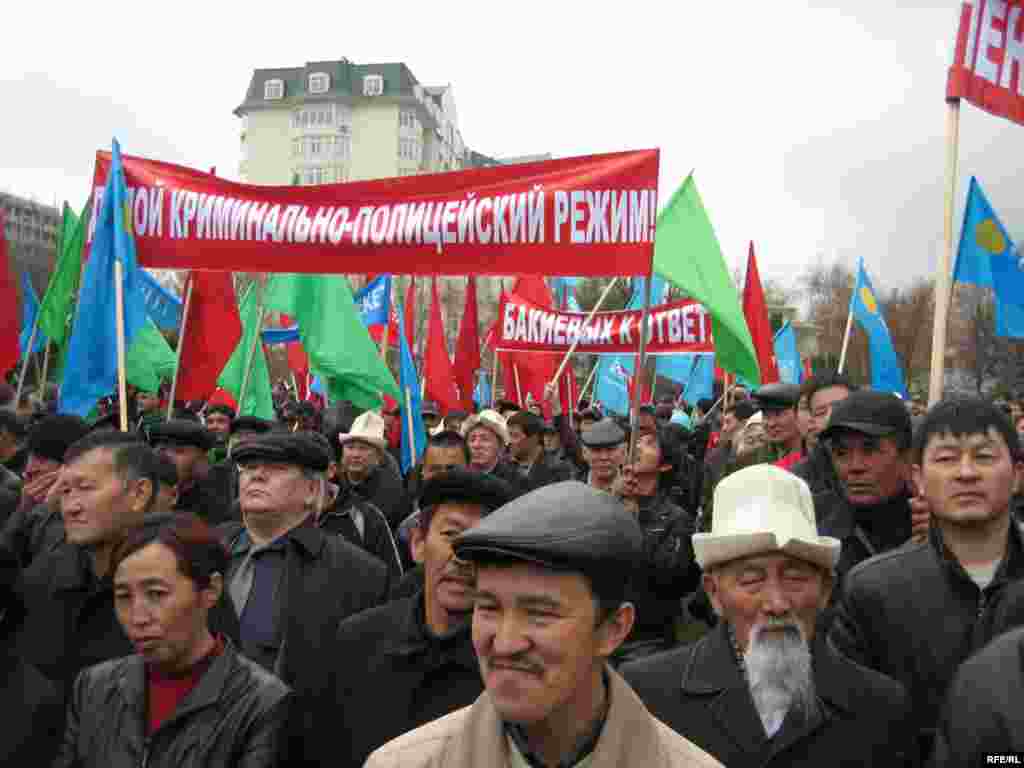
pixel 165 693
pixel 787 461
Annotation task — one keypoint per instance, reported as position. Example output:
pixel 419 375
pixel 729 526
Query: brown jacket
pixel 474 736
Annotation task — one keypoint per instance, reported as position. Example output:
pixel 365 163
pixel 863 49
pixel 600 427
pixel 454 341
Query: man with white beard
pixel 763 688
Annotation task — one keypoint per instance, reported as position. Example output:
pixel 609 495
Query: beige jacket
pixel 473 737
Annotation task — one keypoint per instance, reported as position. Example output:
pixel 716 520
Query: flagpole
pixel 634 407
pixel 252 349
pixel 122 382
pixel 943 277
pixel 181 343
pixel 46 367
pixel 494 377
pixel 588 321
pixel 412 428
pixel 586 384
pixel 519 390
pixel 846 339
pixel 25 359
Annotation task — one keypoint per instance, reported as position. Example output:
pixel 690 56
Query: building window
pixel 315 146
pixel 319 82
pixel 373 85
pixel 273 90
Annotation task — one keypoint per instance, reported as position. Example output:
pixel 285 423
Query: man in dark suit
pixel 538 467
pixel 291 582
pixel 765 689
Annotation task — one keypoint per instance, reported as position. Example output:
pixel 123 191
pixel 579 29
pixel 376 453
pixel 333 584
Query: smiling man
pixel 868 437
pixel 548 611
pixel 917 612
pixel 411 661
pixel 764 688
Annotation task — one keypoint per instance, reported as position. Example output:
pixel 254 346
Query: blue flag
pixel 988 257
pixel 29 310
pixel 482 392
pixel 695 371
pixel 163 307
pixel 281 335
pixel 886 370
pixel 564 289
pixel 374 301
pixel 787 356
pixel 414 442
pixel 90 371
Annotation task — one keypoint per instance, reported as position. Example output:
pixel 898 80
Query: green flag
pixel 687 254
pixel 258 399
pixel 149 359
pixel 55 308
pixel 339 346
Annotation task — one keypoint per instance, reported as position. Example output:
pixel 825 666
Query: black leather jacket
pixel 233 718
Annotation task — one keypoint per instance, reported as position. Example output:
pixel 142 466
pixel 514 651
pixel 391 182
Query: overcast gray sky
pixel 815 130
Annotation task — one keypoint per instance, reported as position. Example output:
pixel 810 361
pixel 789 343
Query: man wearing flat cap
pixel 604 450
pixel 868 437
pixel 549 610
pixel 411 661
pixel 290 582
pixel 763 688
pixel 187 444
pixel 778 404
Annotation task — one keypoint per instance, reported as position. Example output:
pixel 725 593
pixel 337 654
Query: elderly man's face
pixel 484 448
pixel 870 469
pixel 358 458
pixel 768 592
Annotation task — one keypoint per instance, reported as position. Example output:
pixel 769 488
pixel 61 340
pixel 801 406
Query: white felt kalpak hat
pixel 367 428
pixel 760 510
pixel 493 420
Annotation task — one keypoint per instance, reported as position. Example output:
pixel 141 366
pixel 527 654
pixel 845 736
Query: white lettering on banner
pixel 578 235
pixel 995 10
pixel 559 330
pixel 509 321
pixel 536 216
pixel 626 330
pixel 156 211
pixel 675 326
pixel 140 212
pixel 448 218
pixel 1013 59
pixel 572 329
pixel 483 234
pixel 521 325
pixel 534 325
pixel 561 213
pixel 547 328
pixel 188 211
pixel 176 231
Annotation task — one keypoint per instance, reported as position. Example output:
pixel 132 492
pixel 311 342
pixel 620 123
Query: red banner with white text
pixel 988 64
pixel 682 326
pixel 590 215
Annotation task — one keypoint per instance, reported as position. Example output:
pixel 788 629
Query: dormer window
pixel 319 82
pixel 373 85
pixel 273 90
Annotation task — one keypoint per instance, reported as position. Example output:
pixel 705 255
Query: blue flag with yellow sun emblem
pixel 90 371
pixel 886 370
pixel 988 257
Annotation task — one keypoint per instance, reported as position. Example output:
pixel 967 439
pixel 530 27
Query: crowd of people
pixel 799 575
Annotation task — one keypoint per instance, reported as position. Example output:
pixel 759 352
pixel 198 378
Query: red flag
pixel 410 317
pixel 212 331
pixel 437 366
pixel 298 361
pixel 533 369
pixel 646 394
pixel 467 348
pixel 808 369
pixel 756 312
pixel 10 318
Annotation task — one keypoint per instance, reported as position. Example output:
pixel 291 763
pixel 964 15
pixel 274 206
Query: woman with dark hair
pixel 32 705
pixel 187 698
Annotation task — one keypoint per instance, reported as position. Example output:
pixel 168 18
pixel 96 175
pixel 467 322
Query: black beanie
pixel 51 437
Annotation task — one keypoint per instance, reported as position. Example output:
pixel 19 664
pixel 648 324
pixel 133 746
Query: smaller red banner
pixel 988 65
pixel 682 326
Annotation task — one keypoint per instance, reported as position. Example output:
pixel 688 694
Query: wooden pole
pixel 412 427
pixel 252 350
pixel 181 342
pixel 122 380
pixel 634 406
pixel 586 384
pixel 519 389
pixel 944 277
pixel 24 361
pixel 494 378
pixel 46 368
pixel 846 339
pixel 588 321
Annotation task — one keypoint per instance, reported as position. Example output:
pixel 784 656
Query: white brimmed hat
pixel 759 510
pixel 367 428
pixel 493 420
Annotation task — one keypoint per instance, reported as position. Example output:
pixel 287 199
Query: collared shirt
pixel 580 756
pixel 258 623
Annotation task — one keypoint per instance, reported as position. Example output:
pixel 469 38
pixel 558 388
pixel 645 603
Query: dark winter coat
pixel 33 714
pixel 325 580
pixel 31 530
pixel 817 470
pixel 915 614
pixel 390 675
pixel 983 713
pixel 210 498
pixel 71 623
pixel 546 470
pixel 700 692
pixel 233 718
pixel 385 490
pixel 375 536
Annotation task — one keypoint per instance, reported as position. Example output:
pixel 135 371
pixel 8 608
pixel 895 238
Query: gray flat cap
pixel 604 434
